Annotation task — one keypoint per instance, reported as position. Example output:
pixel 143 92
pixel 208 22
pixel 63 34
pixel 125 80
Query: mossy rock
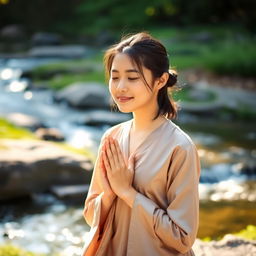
pixel 10 250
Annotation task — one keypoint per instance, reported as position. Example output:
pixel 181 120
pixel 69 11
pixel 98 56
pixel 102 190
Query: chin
pixel 124 109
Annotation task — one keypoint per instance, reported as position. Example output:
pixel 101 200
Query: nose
pixel 121 86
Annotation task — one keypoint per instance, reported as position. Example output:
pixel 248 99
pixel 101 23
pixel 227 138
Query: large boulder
pixel 45 38
pixel 85 95
pixel 63 51
pixel 12 32
pixel 24 121
pixel 52 134
pixel 28 166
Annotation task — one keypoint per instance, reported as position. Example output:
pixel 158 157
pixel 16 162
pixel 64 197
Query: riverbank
pixel 230 245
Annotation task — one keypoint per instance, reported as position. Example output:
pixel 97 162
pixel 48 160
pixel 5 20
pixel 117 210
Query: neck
pixel 145 123
pixel 143 117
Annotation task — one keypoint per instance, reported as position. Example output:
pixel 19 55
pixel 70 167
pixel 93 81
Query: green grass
pixel 232 58
pixel 231 50
pixel 61 74
pixel 10 131
pixel 10 250
pixel 62 80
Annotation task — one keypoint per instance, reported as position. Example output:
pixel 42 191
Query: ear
pixel 161 81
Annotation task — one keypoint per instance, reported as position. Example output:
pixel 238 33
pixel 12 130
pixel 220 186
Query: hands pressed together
pixel 116 175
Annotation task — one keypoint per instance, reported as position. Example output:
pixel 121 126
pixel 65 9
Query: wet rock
pixel 199 95
pixel 29 166
pixel 65 51
pixel 25 121
pixel 12 32
pixel 103 117
pixel 85 95
pixel 71 191
pixel 52 134
pixel 230 245
pixel 44 38
pixel 249 170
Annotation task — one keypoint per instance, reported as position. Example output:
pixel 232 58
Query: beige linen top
pixel 164 217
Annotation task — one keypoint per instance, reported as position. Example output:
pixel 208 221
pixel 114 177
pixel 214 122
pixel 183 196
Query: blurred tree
pixel 90 16
pixel 36 15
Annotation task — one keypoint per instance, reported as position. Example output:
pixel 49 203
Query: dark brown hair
pixel 144 50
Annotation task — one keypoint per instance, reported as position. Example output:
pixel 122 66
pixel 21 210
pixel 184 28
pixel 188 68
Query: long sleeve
pixel 93 202
pixel 176 227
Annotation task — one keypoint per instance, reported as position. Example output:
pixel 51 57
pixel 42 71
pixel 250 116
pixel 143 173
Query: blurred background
pixel 55 106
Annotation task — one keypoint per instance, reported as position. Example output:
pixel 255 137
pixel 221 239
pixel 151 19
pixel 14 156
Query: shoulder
pixel 184 152
pixel 113 130
pixel 181 139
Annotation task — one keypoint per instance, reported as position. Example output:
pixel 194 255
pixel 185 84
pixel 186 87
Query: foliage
pixel 62 74
pixel 36 14
pixel 63 80
pixel 248 233
pixel 90 16
pixel 233 58
pixel 10 250
pixel 225 50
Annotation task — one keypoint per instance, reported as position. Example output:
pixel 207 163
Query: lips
pixel 124 99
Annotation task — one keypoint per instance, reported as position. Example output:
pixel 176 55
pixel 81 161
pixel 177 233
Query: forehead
pixel 122 61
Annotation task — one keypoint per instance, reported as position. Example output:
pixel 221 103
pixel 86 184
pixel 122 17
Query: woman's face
pixel 127 86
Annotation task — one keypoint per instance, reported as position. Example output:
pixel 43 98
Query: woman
pixel 143 197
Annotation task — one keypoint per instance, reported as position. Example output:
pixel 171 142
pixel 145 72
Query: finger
pixel 106 162
pixel 114 153
pixel 101 162
pixel 110 155
pixel 103 144
pixel 132 163
pixel 120 154
pixel 105 181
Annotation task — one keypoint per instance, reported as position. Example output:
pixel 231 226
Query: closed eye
pixel 133 78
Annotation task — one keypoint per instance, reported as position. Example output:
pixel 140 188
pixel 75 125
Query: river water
pixel 48 225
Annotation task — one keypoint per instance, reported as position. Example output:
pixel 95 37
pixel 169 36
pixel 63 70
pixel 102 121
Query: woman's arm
pixel 176 227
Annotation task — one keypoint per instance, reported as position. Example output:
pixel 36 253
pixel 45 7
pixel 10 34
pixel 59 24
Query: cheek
pixel 143 90
pixel 111 88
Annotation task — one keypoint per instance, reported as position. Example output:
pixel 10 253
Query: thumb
pixel 132 163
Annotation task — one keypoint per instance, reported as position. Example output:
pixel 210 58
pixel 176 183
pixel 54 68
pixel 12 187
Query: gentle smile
pixel 124 99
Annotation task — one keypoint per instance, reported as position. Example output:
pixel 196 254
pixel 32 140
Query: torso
pixel 137 138
pixel 135 141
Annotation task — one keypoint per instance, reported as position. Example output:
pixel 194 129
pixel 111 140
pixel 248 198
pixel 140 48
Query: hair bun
pixel 172 80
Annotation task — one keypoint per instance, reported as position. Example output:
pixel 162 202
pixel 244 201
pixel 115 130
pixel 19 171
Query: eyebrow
pixel 127 71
